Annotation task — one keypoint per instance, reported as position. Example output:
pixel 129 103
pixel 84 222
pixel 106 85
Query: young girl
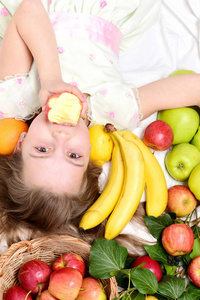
pixel 55 46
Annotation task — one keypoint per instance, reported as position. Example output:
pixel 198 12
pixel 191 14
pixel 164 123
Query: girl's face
pixel 55 156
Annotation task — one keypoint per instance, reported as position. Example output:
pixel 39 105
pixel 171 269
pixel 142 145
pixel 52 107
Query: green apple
pixel 184 122
pixel 196 139
pixel 181 72
pixel 194 180
pixel 181 160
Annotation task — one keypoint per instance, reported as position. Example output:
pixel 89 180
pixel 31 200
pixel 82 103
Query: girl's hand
pixel 59 86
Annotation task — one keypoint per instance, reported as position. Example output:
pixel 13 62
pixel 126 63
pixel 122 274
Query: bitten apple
pixel 150 264
pixel 34 275
pixel 178 239
pixel 181 200
pixel 65 283
pixel 16 293
pixel 194 271
pixel 63 108
pixel 158 135
pixel 71 260
pixel 91 289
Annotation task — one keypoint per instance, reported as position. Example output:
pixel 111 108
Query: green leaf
pixel 196 249
pixel 106 256
pixel 171 286
pixel 193 291
pixel 156 225
pixel 186 296
pixel 170 270
pixel 157 252
pixel 144 281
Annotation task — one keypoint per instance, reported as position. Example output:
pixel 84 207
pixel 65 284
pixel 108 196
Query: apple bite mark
pixel 63 108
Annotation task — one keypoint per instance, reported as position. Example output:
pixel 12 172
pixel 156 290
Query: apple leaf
pixel 156 225
pixel 186 296
pixel 196 249
pixel 170 270
pixel 105 257
pixel 171 286
pixel 144 281
pixel 193 291
pixel 157 252
pixel 134 296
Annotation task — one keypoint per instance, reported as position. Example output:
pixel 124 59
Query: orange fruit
pixel 10 131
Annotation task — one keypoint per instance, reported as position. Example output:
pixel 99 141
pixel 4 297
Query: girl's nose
pixel 60 134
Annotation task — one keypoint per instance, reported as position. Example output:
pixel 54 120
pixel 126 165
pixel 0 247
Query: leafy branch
pixel 108 258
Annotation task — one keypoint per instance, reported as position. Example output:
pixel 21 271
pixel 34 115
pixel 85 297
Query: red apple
pixel 71 260
pixel 91 289
pixel 63 108
pixel 45 295
pixel 65 283
pixel 181 200
pixel 16 293
pixel 177 239
pixel 158 135
pixel 34 275
pixel 194 271
pixel 150 264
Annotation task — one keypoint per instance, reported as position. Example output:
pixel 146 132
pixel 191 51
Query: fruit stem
pixel 110 127
pixel 126 292
pixel 27 295
pixel 196 223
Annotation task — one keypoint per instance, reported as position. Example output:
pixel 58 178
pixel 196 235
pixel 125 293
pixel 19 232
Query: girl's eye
pixel 42 149
pixel 73 155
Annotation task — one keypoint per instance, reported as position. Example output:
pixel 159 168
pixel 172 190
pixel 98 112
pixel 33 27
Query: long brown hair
pixel 42 212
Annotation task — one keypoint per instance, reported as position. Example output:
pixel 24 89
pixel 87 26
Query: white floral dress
pixel 90 36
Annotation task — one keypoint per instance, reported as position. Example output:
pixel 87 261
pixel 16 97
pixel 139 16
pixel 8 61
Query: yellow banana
pixel 132 189
pixel 156 187
pixel 104 205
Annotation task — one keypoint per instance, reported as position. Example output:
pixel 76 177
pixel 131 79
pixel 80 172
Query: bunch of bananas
pixel 133 166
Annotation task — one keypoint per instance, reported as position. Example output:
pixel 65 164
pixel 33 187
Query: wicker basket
pixel 47 249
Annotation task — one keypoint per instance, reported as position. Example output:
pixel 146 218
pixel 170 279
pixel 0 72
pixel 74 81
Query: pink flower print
pixel 2 89
pixel 74 83
pixel 60 50
pixel 103 4
pixel 91 57
pixel 129 94
pixel 4 12
pixel 111 114
pixel 103 92
pixel 111 61
pixel 135 117
pixel 50 2
pixel 22 103
pixel 2 114
pixel 19 80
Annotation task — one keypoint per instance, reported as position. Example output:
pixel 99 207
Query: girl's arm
pixel 172 92
pixel 30 35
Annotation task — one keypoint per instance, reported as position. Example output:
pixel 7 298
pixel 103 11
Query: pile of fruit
pixel 65 280
pixel 134 167
pixel 170 269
